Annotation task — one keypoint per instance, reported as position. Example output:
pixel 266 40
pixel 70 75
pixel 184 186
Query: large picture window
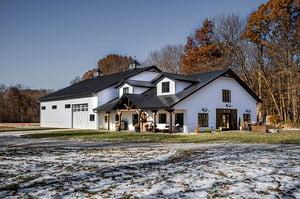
pixel 203 119
pixel 165 87
pixel 226 95
pixel 162 118
pixel 179 119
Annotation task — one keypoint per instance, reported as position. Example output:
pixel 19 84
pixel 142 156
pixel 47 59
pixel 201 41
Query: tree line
pixel 264 50
pixel 18 104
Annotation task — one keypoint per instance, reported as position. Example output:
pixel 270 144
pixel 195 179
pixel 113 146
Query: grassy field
pixel 289 137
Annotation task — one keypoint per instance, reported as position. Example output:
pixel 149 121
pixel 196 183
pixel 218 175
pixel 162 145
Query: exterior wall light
pixel 205 109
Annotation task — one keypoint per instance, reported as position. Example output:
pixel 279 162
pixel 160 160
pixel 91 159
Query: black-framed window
pixel 226 95
pixel 246 117
pixel 105 118
pixel 67 105
pixel 125 90
pixel 165 87
pixel 54 106
pixel 179 119
pixel 43 107
pixel 135 119
pixel 162 118
pixel 203 119
pixel 117 118
pixel 92 117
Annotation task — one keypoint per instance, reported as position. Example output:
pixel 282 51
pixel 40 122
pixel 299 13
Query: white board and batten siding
pixel 144 76
pixel 107 95
pixel 209 98
pixel 72 113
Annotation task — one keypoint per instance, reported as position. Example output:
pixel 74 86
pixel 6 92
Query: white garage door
pixel 80 116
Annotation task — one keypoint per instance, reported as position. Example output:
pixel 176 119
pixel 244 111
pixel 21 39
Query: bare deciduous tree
pixel 168 58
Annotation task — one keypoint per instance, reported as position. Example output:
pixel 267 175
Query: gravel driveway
pixel 44 168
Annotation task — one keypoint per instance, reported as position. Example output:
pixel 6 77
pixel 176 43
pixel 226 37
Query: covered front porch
pixel 127 114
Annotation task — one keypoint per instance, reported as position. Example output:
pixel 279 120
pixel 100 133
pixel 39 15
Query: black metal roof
pixel 89 87
pixel 137 83
pixel 177 77
pixel 150 100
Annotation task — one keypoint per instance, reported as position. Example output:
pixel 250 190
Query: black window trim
pixel 226 95
pixel 92 117
pixel 165 87
pixel 205 119
pixel 67 106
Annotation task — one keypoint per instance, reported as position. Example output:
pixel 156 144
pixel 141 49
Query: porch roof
pixel 148 100
pixel 108 106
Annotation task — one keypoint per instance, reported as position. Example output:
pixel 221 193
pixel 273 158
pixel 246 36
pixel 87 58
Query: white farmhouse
pixel 150 99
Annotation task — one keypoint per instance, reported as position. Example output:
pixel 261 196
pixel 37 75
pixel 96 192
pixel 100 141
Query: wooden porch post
pixel 120 115
pixel 154 119
pixel 139 112
pixel 171 121
pixel 108 120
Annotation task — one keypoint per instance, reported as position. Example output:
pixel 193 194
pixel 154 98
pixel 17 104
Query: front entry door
pixel 227 119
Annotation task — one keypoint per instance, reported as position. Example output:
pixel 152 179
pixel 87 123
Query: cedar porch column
pixel 108 120
pixel 120 114
pixel 171 121
pixel 139 112
pixel 154 112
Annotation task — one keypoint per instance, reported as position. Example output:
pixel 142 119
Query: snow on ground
pixel 163 172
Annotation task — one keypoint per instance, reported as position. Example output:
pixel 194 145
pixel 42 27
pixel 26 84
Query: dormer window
pixel 125 90
pixel 165 87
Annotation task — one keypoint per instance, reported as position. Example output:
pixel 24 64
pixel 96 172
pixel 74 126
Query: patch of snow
pixel 163 172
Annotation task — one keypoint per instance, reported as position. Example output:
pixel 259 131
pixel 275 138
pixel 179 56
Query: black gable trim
pixel 242 83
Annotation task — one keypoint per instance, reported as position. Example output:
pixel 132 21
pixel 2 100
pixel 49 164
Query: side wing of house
pixel 223 103
pixel 72 107
pixel 70 113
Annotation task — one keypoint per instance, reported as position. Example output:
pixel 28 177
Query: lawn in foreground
pixel 289 137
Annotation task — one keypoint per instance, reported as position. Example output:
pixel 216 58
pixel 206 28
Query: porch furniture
pixel 163 127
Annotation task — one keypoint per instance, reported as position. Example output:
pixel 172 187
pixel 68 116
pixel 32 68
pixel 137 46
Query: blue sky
pixel 47 43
